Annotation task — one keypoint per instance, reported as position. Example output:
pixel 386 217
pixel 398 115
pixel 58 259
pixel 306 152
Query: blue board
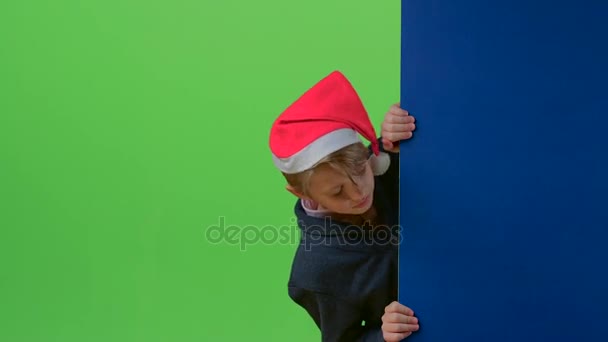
pixel 504 187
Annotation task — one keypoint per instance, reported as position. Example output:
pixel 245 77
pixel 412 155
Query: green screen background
pixel 129 128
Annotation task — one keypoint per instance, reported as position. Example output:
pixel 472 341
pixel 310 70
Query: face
pixel 335 191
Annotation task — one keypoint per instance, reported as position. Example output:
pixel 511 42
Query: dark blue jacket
pixel 345 275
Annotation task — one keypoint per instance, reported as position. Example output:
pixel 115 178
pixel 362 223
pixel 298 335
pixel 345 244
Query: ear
pixel 295 192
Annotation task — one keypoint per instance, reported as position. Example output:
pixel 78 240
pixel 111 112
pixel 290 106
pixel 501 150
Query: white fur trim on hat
pixel 380 163
pixel 317 150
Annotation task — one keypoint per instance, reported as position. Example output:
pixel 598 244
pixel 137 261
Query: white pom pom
pixel 380 163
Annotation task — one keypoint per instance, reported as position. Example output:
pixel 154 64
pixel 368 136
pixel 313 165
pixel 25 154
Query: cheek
pixel 339 205
pixel 336 204
pixel 369 181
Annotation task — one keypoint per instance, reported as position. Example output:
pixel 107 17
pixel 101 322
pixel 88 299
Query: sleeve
pixel 393 171
pixel 391 177
pixel 337 319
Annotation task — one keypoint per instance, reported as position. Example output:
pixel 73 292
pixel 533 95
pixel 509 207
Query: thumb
pixel 387 144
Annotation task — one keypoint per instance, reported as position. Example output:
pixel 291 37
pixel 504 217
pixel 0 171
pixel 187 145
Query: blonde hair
pixel 350 160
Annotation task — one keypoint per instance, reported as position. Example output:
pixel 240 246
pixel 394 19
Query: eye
pixel 338 192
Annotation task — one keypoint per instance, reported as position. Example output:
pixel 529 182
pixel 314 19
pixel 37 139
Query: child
pixel 344 273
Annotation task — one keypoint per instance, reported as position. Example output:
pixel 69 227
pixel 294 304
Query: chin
pixel 358 211
pixel 362 210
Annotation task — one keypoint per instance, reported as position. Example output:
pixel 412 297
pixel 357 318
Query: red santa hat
pixel 326 118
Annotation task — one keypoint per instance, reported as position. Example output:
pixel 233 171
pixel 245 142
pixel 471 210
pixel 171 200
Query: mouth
pixel 363 203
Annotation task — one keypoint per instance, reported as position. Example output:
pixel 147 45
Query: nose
pixel 355 194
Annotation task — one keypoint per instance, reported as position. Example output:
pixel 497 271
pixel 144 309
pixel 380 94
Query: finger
pixel 395 337
pixel 392 136
pixel 400 317
pixel 387 144
pixel 392 307
pixel 397 128
pixel 400 308
pixel 400 327
pixel 397 110
pixel 400 119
